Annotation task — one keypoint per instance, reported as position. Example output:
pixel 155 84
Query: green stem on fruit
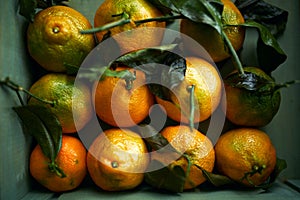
pixel 218 19
pixel 159 19
pixel 54 168
pixel 191 90
pixel 124 74
pixel 236 58
pixel 126 20
pixel 188 169
pixel 120 22
pixel 286 84
pixel 255 169
pixel 12 85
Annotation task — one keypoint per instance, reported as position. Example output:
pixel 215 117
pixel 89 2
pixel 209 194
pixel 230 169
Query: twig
pixel 7 82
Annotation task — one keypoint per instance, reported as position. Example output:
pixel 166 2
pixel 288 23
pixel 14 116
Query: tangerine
pixel 54 40
pixel 245 155
pixel 71 159
pixel 210 39
pixel 117 160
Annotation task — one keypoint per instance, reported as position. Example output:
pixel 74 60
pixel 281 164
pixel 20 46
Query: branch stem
pixel 236 58
pixel 12 85
pixel 125 20
pixel 191 90
pixel 120 22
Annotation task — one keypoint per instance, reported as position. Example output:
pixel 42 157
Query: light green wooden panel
pixel 284 129
pixel 15 146
pixel 14 179
pixel 278 192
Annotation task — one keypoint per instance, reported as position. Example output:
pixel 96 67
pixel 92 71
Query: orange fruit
pixel 251 107
pixel 136 10
pixel 210 39
pixel 118 106
pixel 197 147
pixel 245 155
pixel 117 160
pixel 71 159
pixel 207 92
pixel 54 40
pixel 72 104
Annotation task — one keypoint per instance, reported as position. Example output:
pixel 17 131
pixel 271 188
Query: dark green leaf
pixel 163 66
pixel 71 69
pixel 274 18
pixel 155 139
pixel 145 56
pixel 166 6
pixel 41 123
pixel 28 9
pixel 217 179
pixel 93 73
pixel 51 123
pixel 279 167
pixel 249 81
pixel 166 177
pixel 202 11
pixel 270 55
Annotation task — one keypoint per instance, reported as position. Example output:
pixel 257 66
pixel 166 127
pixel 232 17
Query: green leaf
pixel 169 178
pixel 216 179
pixel 279 167
pixel 155 139
pixel 145 56
pixel 270 55
pixel 274 18
pixel 28 8
pixel 249 81
pixel 163 66
pixel 43 125
pixel 165 6
pixel 202 11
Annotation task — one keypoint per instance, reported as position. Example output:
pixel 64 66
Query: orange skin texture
pixel 198 148
pixel 207 92
pixel 54 39
pixel 119 107
pixel 239 150
pixel 248 108
pixel 117 160
pixel 136 10
pixel 71 159
pixel 71 103
pixel 210 39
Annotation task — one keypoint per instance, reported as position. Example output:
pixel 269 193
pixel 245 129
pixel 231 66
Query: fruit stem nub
pixel 114 164
pixel 54 168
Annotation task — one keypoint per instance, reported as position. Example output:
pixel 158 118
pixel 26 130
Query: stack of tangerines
pixel 119 157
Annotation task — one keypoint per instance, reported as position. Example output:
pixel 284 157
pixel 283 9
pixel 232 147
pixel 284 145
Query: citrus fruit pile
pixel 129 151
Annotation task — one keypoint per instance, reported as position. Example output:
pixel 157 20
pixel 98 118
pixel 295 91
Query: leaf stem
pixel 236 58
pixel 159 19
pixel 53 167
pixel 191 90
pixel 286 84
pixel 120 22
pixel 124 74
pixel 12 85
pixel 125 20
pixel 218 19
